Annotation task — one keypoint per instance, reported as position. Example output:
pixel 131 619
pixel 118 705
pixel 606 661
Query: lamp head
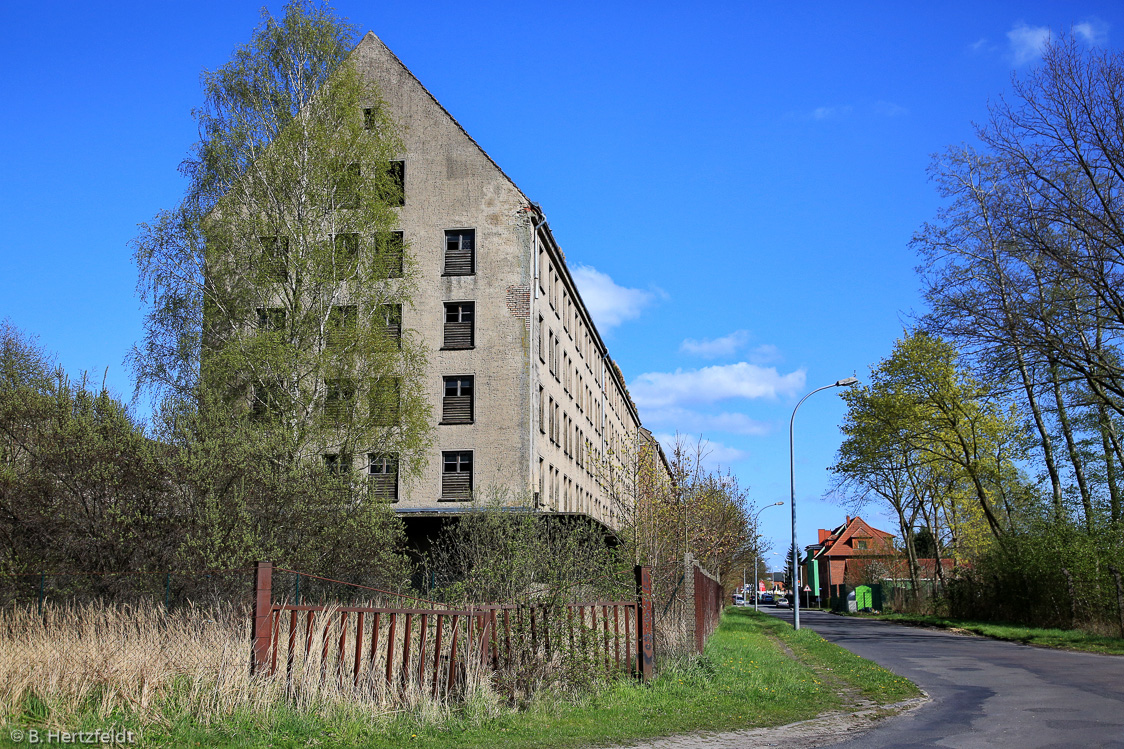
pixel 847 382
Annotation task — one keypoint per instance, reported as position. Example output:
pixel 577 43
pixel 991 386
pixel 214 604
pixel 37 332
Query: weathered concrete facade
pixel 548 406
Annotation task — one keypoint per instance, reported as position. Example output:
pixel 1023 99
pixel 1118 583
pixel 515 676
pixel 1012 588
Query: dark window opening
pixel 392 186
pixel 457 405
pixel 456 476
pixel 271 319
pixel 268 400
pixel 460 252
pixel 459 325
pixel 370 118
pixel 382 471
pixel 337 464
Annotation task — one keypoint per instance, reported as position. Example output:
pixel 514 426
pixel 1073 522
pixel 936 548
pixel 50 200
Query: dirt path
pixel 825 730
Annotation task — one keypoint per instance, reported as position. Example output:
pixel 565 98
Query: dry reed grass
pixel 158 667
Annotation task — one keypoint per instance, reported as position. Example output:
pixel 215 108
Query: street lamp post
pixel 846 382
pixel 756 553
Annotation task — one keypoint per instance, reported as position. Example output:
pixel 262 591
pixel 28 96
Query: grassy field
pixel 1051 638
pixel 745 679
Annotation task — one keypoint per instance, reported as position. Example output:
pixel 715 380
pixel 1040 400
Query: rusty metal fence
pixel 432 647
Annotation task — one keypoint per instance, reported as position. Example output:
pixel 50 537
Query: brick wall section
pixel 519 303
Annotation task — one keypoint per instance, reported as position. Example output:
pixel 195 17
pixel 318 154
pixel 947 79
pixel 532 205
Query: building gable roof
pixel 372 45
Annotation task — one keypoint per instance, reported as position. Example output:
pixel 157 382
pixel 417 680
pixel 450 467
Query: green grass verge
pixel 744 680
pixel 1051 638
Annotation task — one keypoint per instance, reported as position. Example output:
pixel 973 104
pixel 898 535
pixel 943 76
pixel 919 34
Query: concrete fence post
pixel 645 635
pixel 261 634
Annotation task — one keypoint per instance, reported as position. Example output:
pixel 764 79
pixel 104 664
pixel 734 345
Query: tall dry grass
pixel 159 667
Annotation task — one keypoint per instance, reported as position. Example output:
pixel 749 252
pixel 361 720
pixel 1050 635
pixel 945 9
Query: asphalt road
pixel 985 693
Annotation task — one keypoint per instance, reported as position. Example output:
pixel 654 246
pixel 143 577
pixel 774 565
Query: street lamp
pixel 756 553
pixel 846 382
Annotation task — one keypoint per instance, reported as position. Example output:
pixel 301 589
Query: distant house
pixel 850 554
pixel 857 553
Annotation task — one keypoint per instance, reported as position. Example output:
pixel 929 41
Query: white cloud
pixel 714 453
pixel 709 349
pixel 1094 31
pixel 1027 42
pixel 979 45
pixel 608 303
pixel 889 109
pixel 693 421
pixel 710 384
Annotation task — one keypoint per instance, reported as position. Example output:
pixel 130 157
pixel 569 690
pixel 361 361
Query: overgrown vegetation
pixel 1064 639
pixel 996 425
pixel 744 680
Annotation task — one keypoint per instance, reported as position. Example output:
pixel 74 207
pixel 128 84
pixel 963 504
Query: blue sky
pixel 735 185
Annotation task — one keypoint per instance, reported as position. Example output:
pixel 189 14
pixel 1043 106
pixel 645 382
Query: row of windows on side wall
pixel 382 473
pixel 460 253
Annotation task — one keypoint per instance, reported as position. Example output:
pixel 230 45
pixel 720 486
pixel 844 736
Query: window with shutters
pixel 551 350
pixel 456 476
pixel 389 251
pixel 345 187
pixel 345 248
pixel 460 325
pixel 542 271
pixel 542 341
pixel 460 252
pixel 339 396
pixel 550 417
pixel 385 401
pixel 392 186
pixel 341 325
pixel 390 317
pixel 542 410
pixel 456 406
pixel 275 257
pixel 382 474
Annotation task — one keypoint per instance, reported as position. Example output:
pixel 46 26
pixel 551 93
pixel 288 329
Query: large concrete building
pixel 529 403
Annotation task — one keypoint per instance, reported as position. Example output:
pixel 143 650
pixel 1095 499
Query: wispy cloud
pixel 766 353
pixel 980 45
pixel 712 384
pixel 707 348
pixel 609 303
pixel 1093 31
pixel 889 109
pixel 1027 42
pixel 714 453
pixel 831 113
pixel 702 423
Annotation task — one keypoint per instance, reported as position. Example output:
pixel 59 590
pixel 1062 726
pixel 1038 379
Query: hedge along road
pixel 985 693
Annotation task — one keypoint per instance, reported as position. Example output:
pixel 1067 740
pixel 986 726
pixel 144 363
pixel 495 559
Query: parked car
pixel 782 603
pixel 739 600
pixel 766 598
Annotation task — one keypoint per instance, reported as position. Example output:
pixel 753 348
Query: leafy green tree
pixel 275 288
